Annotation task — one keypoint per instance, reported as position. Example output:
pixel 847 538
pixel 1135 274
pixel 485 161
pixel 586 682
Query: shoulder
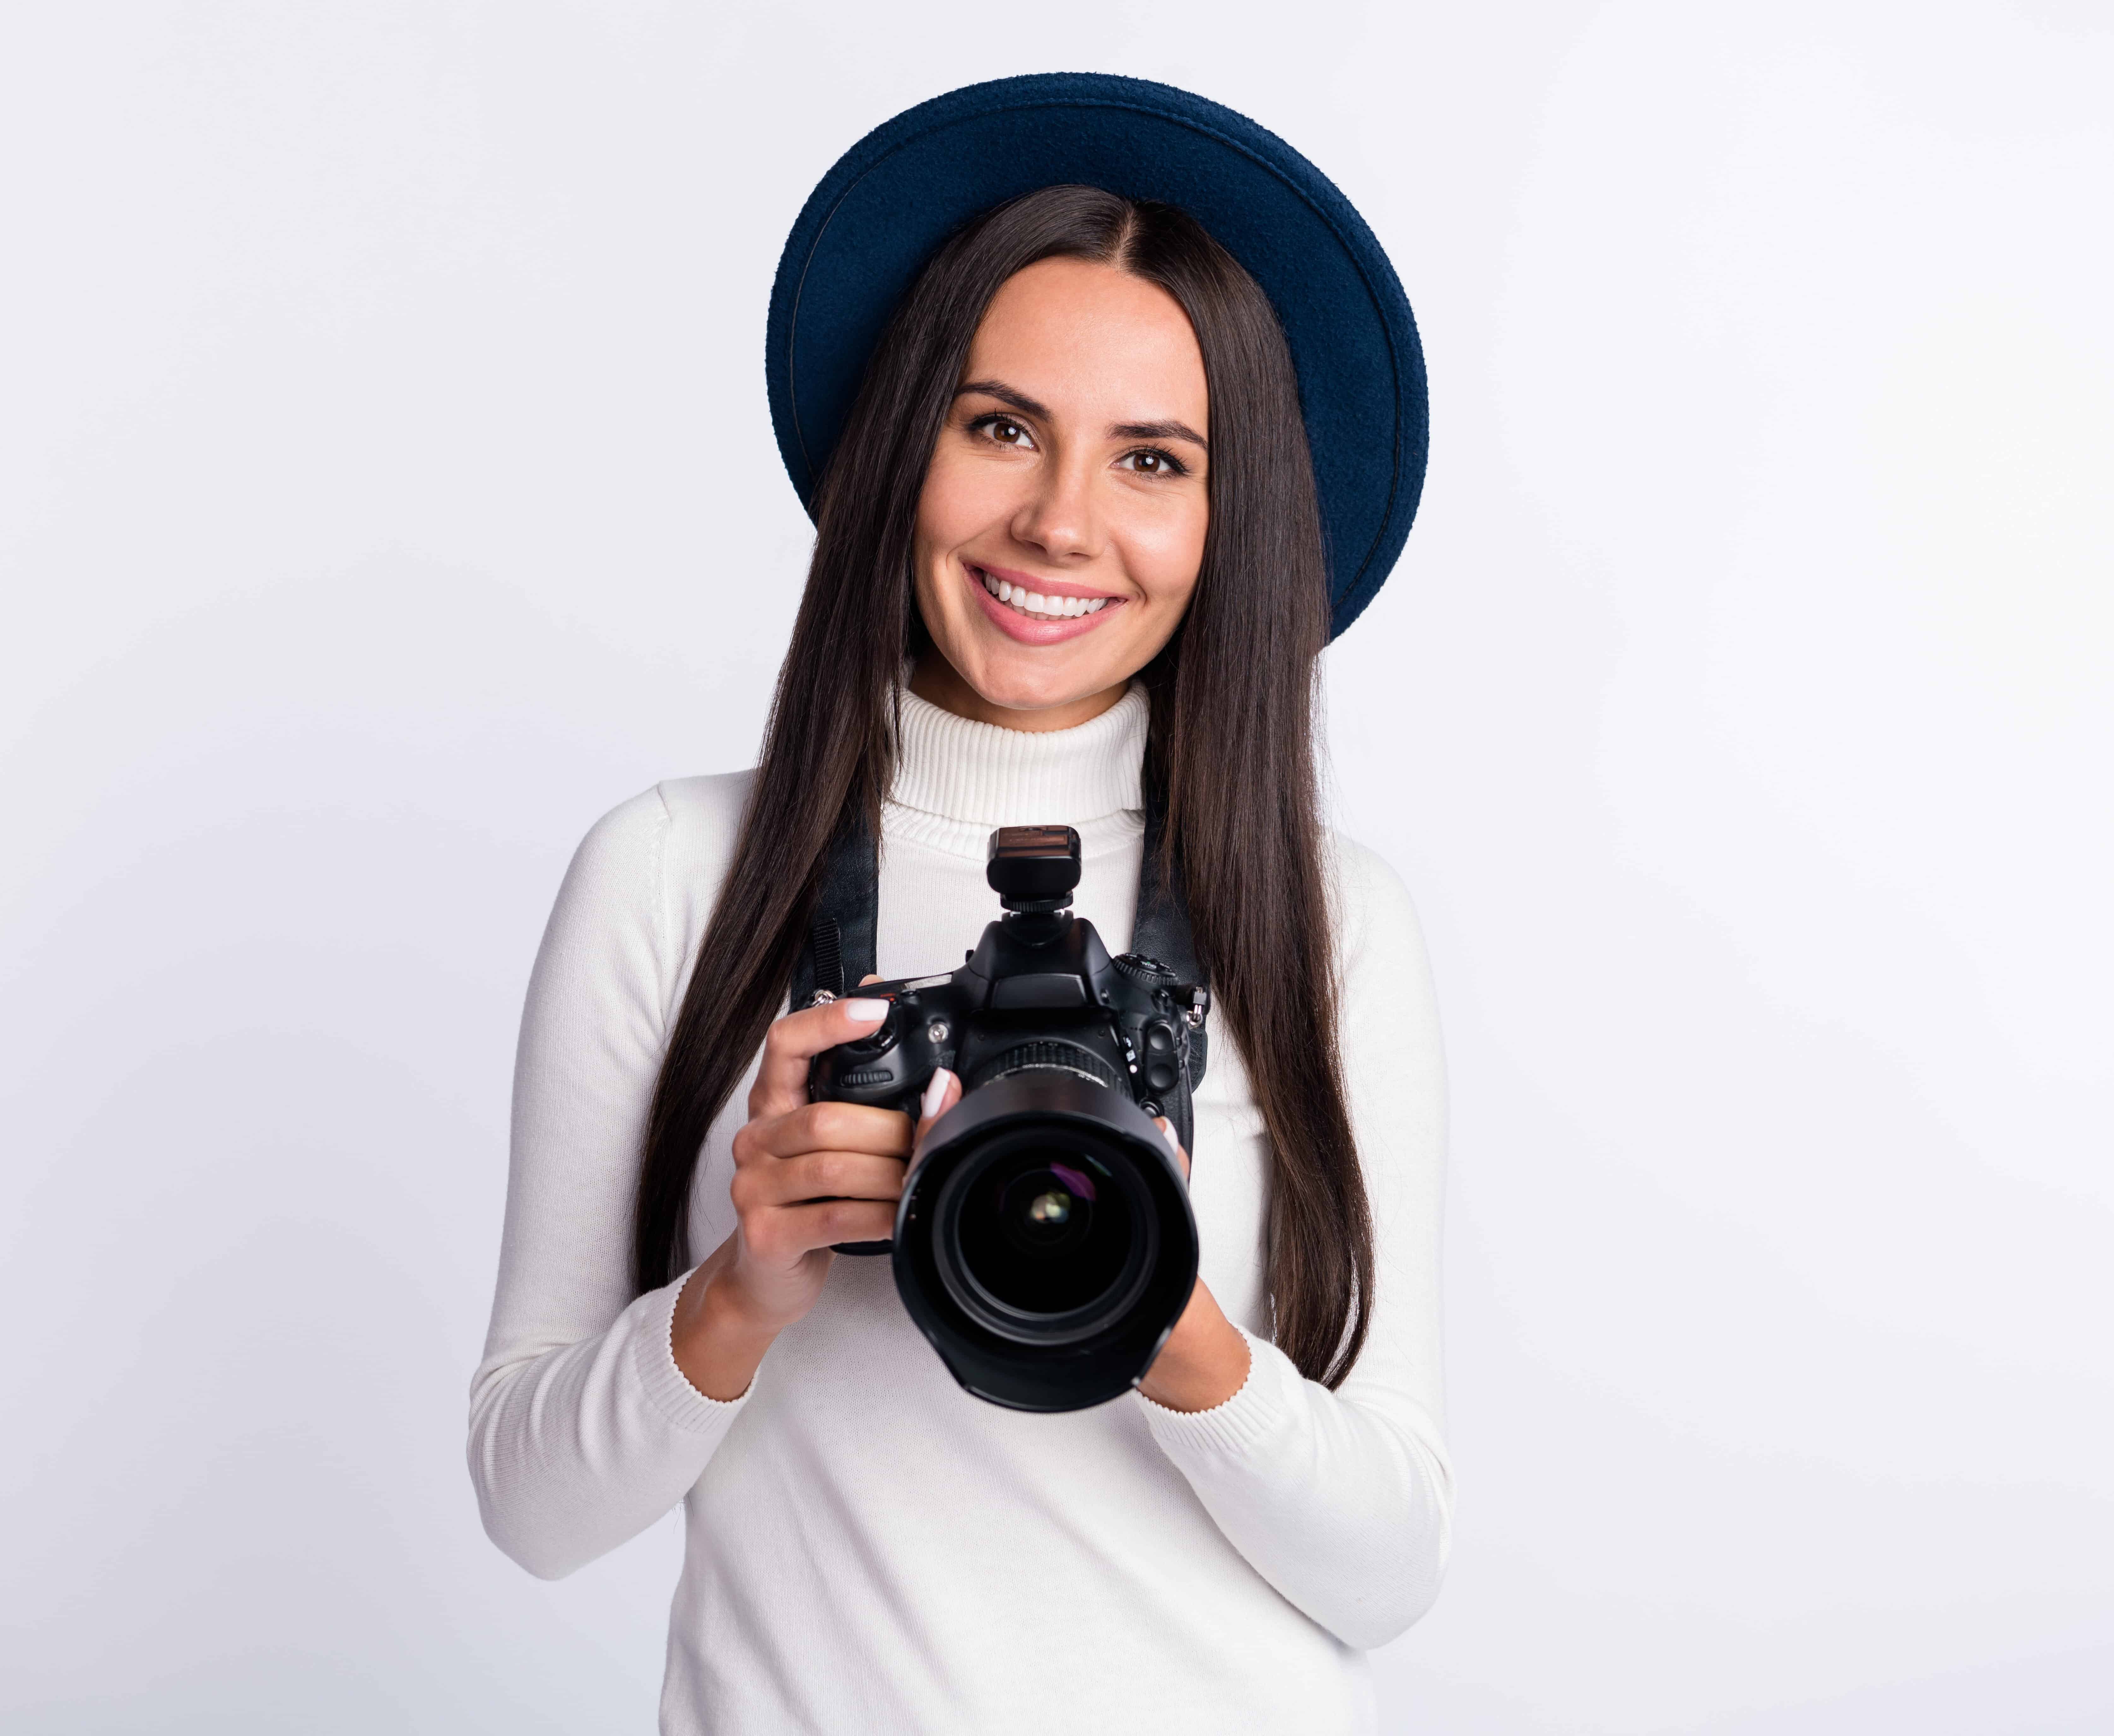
pixel 1394 1053
pixel 696 816
pixel 1377 930
pixel 703 815
pixel 679 834
pixel 641 887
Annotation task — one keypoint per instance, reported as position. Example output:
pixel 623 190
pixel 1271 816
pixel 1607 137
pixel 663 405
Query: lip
pixel 1017 626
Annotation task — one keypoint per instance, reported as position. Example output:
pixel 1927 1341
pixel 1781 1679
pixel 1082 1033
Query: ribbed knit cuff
pixel 653 1355
pixel 1234 1428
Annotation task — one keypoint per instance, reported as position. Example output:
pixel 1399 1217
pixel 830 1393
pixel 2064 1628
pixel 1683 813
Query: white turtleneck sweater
pixel 869 1548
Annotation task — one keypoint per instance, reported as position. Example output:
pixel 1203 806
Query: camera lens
pixel 1042 1240
pixel 1045 1243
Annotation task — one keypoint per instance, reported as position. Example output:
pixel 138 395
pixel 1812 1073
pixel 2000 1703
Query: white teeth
pixel 1030 602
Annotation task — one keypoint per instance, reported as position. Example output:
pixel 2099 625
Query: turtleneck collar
pixel 978 776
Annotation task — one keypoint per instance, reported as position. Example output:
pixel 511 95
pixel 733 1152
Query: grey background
pixel 385 489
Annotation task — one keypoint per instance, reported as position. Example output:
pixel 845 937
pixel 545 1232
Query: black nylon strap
pixel 1161 931
pixel 841 933
pixel 825 943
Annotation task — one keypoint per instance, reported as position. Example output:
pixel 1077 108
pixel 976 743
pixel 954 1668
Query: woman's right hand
pixel 806 1176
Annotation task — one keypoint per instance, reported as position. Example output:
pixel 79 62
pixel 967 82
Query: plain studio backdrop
pixel 388 491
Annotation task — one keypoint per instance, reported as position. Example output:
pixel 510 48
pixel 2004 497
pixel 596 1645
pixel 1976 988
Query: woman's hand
pixel 806 1176
pixel 1204 1361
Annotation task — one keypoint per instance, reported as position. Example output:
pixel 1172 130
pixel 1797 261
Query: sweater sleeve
pixel 582 1431
pixel 1343 1501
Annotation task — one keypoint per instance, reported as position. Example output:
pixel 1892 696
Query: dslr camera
pixel 1044 1242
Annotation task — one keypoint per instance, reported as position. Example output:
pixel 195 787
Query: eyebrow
pixel 1159 430
pixel 1004 394
pixel 1027 406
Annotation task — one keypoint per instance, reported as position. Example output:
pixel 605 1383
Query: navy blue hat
pixel 884 210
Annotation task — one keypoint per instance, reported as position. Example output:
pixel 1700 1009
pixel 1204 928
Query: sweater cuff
pixel 654 1356
pixel 1234 1427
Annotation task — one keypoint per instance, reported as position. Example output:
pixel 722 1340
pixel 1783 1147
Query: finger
pixel 1173 1143
pixel 795 1230
pixel 833 1126
pixel 781 1080
pixel 870 977
pixel 824 1174
pixel 942 1092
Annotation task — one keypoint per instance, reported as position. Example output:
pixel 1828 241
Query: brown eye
pixel 1001 430
pixel 1152 462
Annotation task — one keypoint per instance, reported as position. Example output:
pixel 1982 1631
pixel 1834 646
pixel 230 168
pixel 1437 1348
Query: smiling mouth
pixel 1033 605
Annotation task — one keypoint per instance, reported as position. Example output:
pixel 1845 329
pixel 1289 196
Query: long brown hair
pixel 1229 749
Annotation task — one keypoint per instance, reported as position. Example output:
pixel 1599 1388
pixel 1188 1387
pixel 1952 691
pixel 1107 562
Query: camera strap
pixel 1161 933
pixel 843 933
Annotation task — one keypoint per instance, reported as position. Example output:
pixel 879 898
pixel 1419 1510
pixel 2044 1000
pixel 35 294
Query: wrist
pixel 728 1310
pixel 716 1339
pixel 1204 1363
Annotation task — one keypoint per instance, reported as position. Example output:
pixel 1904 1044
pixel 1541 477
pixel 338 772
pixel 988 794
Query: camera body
pixel 1044 1242
pixel 1039 990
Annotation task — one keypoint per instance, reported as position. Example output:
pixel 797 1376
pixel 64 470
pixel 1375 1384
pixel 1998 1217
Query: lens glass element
pixel 1043 1232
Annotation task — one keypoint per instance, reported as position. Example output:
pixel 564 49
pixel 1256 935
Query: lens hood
pixel 1045 1243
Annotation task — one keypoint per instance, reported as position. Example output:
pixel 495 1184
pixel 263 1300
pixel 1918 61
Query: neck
pixel 936 681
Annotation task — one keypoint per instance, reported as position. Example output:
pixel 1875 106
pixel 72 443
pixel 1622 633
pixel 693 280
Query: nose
pixel 1058 516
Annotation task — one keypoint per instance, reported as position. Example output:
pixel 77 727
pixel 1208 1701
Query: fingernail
pixel 934 1092
pixel 866 1011
pixel 1167 1128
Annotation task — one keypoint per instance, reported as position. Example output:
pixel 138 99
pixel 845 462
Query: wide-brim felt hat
pixel 890 201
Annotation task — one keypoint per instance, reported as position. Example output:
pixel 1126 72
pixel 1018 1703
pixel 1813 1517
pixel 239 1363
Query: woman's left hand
pixel 1204 1361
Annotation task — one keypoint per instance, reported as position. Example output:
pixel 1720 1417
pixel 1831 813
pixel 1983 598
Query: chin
pixel 1017 684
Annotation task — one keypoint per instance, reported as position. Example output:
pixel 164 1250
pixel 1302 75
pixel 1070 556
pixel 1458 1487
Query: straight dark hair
pixel 1230 748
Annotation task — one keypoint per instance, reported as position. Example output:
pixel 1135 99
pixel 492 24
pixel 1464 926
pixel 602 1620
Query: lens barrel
pixel 1045 1245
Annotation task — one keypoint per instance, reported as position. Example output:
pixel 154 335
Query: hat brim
pixel 896 195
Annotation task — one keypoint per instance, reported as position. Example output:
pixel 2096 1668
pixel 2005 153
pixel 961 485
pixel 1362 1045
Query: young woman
pixel 1071 567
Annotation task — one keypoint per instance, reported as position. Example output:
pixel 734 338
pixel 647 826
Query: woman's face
pixel 1062 521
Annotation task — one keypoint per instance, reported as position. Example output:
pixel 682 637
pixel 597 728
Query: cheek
pixel 1164 555
pixel 938 531
pixel 959 501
